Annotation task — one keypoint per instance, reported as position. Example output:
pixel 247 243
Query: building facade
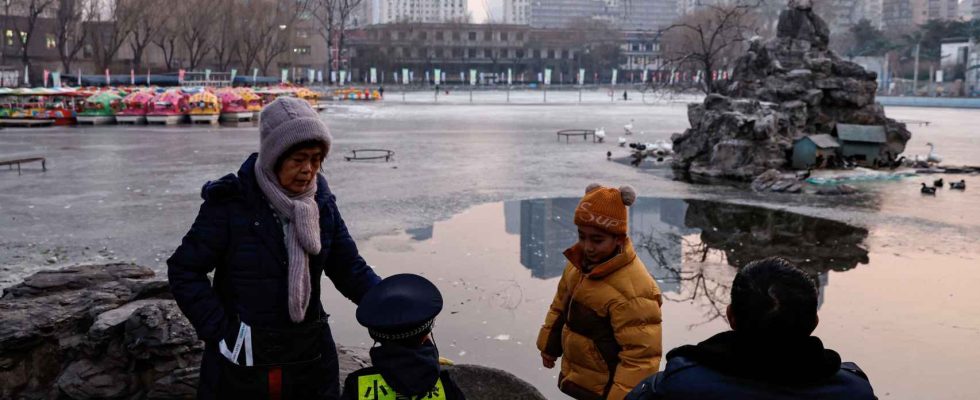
pixel 494 49
pixel 620 14
pixel 910 13
pixel 426 11
pixel 517 12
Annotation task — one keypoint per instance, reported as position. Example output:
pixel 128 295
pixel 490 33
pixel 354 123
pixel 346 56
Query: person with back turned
pixel 769 353
pixel 399 313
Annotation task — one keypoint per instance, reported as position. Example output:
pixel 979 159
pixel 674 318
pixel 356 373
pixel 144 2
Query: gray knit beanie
pixel 284 123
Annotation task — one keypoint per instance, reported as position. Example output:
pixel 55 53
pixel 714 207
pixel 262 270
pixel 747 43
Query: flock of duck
pixel 938 184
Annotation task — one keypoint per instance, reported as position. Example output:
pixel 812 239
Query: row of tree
pixel 188 33
pixel 714 36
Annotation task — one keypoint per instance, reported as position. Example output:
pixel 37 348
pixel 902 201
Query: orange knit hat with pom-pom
pixel 605 208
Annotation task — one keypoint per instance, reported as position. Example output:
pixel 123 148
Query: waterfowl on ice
pixel 938 183
pixel 628 128
pixel 600 134
pixel 961 185
pixel 933 157
pixel 622 141
pixel 608 155
pixel 928 190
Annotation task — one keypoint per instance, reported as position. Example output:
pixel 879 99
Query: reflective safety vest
pixel 374 387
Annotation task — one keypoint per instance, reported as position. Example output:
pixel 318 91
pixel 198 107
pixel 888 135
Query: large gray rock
pixel 485 383
pixel 782 90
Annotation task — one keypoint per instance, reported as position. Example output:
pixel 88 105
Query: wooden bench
pixel 384 154
pixel 10 163
pixel 584 133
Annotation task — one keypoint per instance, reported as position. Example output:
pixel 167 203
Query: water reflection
pixel 692 247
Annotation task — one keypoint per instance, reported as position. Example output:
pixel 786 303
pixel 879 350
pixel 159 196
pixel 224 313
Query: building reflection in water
pixel 691 246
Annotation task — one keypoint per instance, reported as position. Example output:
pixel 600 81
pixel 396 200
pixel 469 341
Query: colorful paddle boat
pixel 233 107
pixel 168 108
pixel 204 107
pixel 252 101
pixel 100 108
pixel 134 107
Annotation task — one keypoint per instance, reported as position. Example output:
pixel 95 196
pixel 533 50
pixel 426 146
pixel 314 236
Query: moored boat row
pixel 137 105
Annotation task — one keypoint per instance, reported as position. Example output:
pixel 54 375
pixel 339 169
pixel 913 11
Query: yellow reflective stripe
pixel 374 387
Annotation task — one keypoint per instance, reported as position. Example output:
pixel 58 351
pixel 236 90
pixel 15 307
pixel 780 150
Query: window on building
pixel 520 36
pixel 439 53
pixel 537 54
pixel 423 35
pixel 301 50
pixel 503 36
pixel 488 36
pixel 564 54
pixel 471 53
pixel 10 37
pixel 520 53
pixel 472 35
pixel 458 53
pixel 23 37
pixel 49 41
pixel 456 36
pixel 487 53
pixel 440 36
pixel 551 54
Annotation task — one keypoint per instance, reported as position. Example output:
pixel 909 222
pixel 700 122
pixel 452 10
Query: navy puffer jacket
pixel 238 236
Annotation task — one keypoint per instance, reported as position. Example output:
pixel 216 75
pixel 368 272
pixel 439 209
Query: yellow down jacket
pixel 605 324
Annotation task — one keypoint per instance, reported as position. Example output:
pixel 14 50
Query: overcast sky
pixel 478 8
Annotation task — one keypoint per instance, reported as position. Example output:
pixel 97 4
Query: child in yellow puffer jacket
pixel 605 319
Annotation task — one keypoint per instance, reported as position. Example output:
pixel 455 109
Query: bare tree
pixel 32 11
pixel 196 26
pixel 70 31
pixel 280 28
pixel 345 9
pixel 166 38
pixel 226 33
pixel 108 27
pixel 709 39
pixel 325 13
pixel 147 22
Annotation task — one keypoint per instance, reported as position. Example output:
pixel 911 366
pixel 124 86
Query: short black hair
pixel 306 144
pixel 772 297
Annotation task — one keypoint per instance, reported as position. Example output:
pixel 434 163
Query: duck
pixel 933 157
pixel 938 183
pixel 961 185
pixel 629 127
pixel 928 190
pixel 608 155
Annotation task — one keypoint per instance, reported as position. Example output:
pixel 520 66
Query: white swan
pixel 622 141
pixel 600 134
pixel 933 157
pixel 629 127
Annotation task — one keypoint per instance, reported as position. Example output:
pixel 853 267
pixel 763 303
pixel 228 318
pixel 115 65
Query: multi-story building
pixel 841 15
pixel 517 12
pixel 427 11
pixel 909 13
pixel 494 49
pixel 621 14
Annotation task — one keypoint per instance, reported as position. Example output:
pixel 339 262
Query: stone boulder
pixel 781 90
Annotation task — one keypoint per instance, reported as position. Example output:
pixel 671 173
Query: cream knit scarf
pixel 303 240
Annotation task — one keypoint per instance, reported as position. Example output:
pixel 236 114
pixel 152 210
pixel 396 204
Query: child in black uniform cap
pixel 399 313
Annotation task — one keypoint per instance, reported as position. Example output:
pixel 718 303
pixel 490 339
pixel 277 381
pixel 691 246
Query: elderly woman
pixel 268 233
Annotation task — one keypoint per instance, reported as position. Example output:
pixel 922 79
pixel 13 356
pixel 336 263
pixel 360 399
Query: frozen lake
pixel 477 199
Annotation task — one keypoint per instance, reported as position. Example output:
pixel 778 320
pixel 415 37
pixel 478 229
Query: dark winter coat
pixel 238 236
pixel 727 367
